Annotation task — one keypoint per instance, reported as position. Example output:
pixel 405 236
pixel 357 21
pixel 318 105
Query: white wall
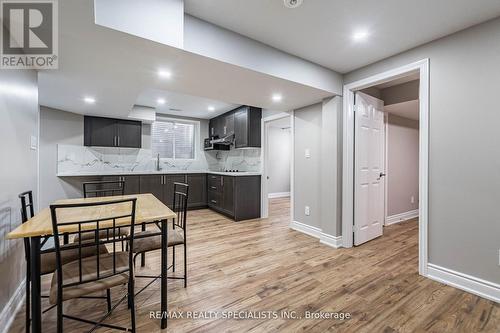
pixel 18 170
pixel 279 153
pixel 464 162
pixel 161 21
pixel 402 164
pixel 212 41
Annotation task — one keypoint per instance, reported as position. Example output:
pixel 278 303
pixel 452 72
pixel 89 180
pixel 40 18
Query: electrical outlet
pixel 307 153
pixel 412 199
pixel 307 211
pixel 33 142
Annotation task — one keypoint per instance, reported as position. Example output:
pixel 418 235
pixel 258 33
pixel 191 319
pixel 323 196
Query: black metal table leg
pixel 164 270
pixel 36 306
pixel 143 255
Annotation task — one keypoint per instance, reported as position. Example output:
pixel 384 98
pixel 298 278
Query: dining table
pixel 149 210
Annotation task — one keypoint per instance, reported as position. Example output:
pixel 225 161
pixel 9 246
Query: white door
pixel 369 143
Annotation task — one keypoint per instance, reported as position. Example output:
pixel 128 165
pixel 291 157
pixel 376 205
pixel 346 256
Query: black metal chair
pixel 101 272
pixel 103 189
pixel 48 257
pixel 147 241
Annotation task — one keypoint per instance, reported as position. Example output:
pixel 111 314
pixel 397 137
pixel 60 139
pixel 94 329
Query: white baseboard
pixel 401 217
pixel 306 229
pixel 278 195
pixel 333 241
pixel 471 284
pixel 9 311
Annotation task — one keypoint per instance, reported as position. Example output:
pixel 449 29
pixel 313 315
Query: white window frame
pixel 196 124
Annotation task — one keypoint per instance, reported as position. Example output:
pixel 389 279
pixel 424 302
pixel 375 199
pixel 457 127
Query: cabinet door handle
pixel 213 187
pixel 225 129
pixel 213 201
pixel 118 140
pixel 221 181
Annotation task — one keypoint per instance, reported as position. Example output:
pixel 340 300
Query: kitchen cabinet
pixel 247 127
pixel 228 121
pixel 235 196
pixel 197 190
pixel 132 184
pixel 153 184
pixel 216 127
pixel 169 187
pixel 109 132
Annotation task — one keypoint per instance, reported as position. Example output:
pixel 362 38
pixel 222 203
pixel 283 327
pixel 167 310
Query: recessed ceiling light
pixel 161 101
pixel 89 100
pixel 292 3
pixel 277 98
pixel 360 35
pixel 211 108
pixel 164 74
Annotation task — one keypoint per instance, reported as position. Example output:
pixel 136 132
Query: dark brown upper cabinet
pixel 109 132
pixel 247 127
pixel 244 122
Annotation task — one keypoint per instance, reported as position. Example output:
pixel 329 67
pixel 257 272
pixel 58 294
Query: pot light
pixel 89 100
pixel 360 35
pixel 277 98
pixel 164 74
pixel 161 101
pixel 211 108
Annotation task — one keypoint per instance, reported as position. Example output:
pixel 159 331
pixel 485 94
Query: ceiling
pixel 183 105
pixel 116 69
pixel 321 30
pixel 407 109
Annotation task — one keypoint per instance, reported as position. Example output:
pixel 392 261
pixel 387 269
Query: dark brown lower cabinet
pixel 235 196
pixel 197 190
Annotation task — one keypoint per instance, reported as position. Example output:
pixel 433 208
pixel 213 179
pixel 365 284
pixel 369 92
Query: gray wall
pixel 331 166
pixel 464 228
pixel 402 164
pixel 280 150
pixel 307 135
pixel 318 179
pixel 18 170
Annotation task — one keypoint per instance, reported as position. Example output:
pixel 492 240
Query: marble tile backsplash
pixel 235 159
pixel 72 159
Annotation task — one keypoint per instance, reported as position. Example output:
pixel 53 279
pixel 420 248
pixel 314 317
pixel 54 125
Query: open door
pixel 369 143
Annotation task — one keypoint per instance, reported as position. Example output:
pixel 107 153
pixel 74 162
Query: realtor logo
pixel 29 34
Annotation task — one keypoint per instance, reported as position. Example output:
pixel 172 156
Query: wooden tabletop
pixel 148 209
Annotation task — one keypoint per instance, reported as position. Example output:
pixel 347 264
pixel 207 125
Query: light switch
pixel 308 153
pixel 33 142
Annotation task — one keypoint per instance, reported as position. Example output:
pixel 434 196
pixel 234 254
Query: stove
pixel 234 170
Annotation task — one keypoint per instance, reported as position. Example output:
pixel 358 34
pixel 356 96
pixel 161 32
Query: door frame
pixel 422 67
pixel 264 192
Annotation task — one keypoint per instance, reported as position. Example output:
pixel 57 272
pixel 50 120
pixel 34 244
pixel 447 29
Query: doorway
pixel 352 180
pixel 277 156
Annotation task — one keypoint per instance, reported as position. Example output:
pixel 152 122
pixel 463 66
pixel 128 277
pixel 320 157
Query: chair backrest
pixel 179 206
pixel 94 217
pixel 103 188
pixel 27 212
pixel 27 206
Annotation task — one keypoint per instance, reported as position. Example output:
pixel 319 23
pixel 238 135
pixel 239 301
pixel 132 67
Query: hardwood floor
pixel 262 265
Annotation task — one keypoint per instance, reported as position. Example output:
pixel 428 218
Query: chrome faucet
pixel 158 168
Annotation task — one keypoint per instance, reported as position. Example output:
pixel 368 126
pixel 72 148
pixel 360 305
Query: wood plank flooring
pixel 262 265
